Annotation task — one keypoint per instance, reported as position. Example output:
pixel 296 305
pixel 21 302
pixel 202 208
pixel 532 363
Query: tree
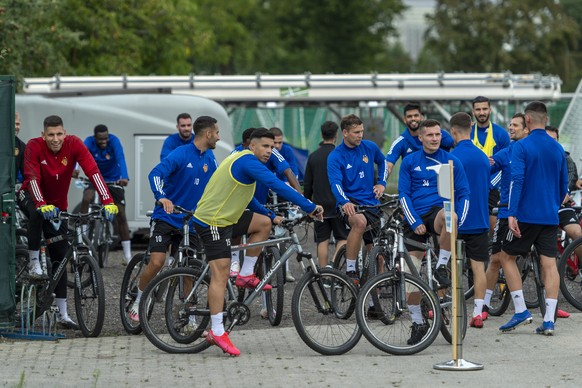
pixel 339 36
pixel 522 36
pixel 32 38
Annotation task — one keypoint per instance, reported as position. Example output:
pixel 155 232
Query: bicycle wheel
pixel 398 334
pixel 89 296
pixel 528 280
pixel 129 292
pixel 539 286
pixel 446 302
pixel 339 260
pixel 499 299
pixel 323 312
pixel 468 285
pixel 104 243
pixel 177 322
pixel 275 297
pixel 570 267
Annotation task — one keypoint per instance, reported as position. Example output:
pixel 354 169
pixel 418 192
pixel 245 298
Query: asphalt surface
pixel 276 357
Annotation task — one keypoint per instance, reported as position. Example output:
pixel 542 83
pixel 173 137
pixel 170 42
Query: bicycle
pixel 184 255
pixel 99 231
pixel 365 269
pixel 570 270
pixel 89 291
pixel 392 251
pixel 322 297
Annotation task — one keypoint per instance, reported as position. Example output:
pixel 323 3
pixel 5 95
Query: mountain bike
pixel 322 307
pixel 88 288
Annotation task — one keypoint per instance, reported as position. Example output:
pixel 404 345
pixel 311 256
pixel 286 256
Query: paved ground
pixel 277 357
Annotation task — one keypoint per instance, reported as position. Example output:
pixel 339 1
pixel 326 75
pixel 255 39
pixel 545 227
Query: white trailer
pixel 141 121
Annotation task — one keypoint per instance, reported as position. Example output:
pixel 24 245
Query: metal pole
pixel 457 363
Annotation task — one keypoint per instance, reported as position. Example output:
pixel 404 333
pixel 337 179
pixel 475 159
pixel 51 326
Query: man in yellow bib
pixel 228 193
pixel 489 138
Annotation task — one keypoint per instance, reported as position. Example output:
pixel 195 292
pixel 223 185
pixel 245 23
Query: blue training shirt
pixel 276 164
pixel 172 142
pixel 351 173
pixel 502 164
pixel 539 179
pixel 287 153
pixel 417 186
pixel 477 171
pixel 406 144
pixel 502 141
pixel 111 160
pixel 181 177
pixel 248 169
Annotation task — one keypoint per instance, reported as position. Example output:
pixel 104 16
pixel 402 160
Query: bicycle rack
pixel 28 327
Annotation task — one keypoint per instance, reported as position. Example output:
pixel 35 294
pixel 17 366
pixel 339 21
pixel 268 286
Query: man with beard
pixel 408 142
pixel 183 137
pixel 489 138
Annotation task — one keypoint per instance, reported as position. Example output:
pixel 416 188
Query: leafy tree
pixel 33 39
pixel 522 36
pixel 339 36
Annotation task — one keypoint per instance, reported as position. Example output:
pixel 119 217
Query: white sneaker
pixel 35 271
pixel 264 313
pixel 289 277
pixel 67 322
pixel 234 269
pixel 134 312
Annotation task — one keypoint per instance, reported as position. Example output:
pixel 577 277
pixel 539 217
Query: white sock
pixel 287 265
pixel 138 297
pixel 248 267
pixel 217 326
pixel 62 305
pixel 33 255
pixel 126 245
pixel 478 307
pixel 551 305
pixel 518 301
pixel 234 257
pixel 416 313
pixel 350 265
pixel 487 300
pixel 444 257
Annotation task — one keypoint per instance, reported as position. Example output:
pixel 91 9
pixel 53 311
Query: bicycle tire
pixel 89 299
pixel 540 290
pixel 339 259
pixel 128 292
pixel 168 315
pixel 393 336
pixel 103 249
pixel 528 281
pixel 274 298
pixel 499 299
pixel 323 311
pixel 570 279
pixel 447 317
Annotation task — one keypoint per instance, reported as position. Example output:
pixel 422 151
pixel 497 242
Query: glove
pixel 48 211
pixel 109 211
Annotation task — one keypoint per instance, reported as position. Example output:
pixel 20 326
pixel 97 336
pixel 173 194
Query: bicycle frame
pixel 294 248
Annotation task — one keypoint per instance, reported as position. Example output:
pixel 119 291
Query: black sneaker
pixel 67 323
pixel 353 277
pixel 441 277
pixel 373 314
pixel 417 332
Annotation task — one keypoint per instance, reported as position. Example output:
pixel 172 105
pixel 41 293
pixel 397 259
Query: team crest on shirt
pixel 107 156
pixel 205 167
pixel 64 161
pixel 365 158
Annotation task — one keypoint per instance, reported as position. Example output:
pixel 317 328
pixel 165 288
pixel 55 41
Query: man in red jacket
pixel 49 162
